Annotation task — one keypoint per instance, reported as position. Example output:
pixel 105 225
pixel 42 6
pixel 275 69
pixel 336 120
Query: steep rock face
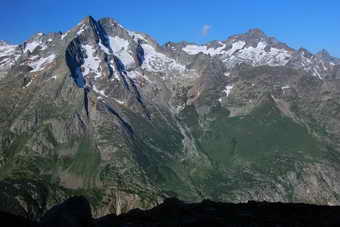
pixel 107 112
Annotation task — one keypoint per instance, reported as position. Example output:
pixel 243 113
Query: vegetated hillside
pixel 108 113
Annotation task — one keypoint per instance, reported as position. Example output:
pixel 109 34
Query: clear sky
pixel 313 24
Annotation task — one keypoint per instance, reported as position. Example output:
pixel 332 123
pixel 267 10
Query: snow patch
pixel 256 55
pixel 195 49
pixel 104 48
pixel 133 74
pixel 180 108
pixel 31 46
pixel 64 35
pixel 235 47
pixel 41 63
pixel 136 36
pixel 100 92
pixel 119 101
pixel 158 62
pixel 44 47
pixel 91 63
pixel 32 58
pixel 323 66
pixel 316 73
pixel 28 84
pixel 227 74
pixel 227 89
pixel 82 29
pixel 115 76
pixel 7 50
pixel 120 48
pixel 8 56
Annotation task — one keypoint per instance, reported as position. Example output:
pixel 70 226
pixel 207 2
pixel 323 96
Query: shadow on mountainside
pixel 76 212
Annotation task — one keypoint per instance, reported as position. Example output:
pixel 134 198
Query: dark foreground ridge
pixel 76 212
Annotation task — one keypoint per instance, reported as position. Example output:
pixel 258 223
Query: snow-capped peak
pixel 325 56
pixel 3 43
pixel 8 55
pixel 193 49
pixel 256 31
pixel 253 47
pixel 38 40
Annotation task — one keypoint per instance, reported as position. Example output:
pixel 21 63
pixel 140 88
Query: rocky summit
pixel 108 113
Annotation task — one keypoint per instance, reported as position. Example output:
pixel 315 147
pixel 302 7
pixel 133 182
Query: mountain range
pixel 109 113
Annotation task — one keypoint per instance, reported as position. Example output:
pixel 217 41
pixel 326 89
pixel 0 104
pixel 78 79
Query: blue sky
pixel 313 24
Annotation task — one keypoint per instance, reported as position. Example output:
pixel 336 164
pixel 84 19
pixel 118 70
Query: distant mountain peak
pixel 324 54
pixel 304 52
pixel 87 19
pixel 256 31
pixel 109 20
pixel 3 43
pixel 251 34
